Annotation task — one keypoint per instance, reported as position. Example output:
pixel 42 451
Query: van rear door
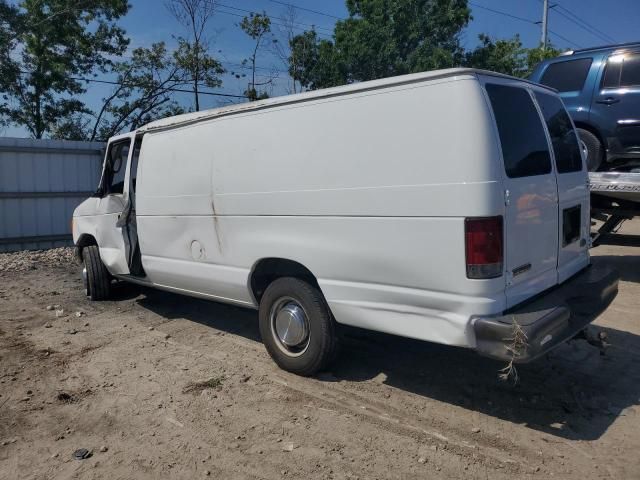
pixel 573 187
pixel 530 189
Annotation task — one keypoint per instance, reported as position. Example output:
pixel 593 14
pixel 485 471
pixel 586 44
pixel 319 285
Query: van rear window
pixel 524 145
pixel 567 76
pixel 563 136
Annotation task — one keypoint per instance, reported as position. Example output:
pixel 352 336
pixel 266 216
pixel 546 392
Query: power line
pixel 277 18
pixel 565 39
pixel 572 17
pixel 306 9
pixel 500 12
pixel 477 5
pixel 522 19
pixel 134 85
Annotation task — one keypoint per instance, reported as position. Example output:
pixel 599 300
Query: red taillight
pixel 483 241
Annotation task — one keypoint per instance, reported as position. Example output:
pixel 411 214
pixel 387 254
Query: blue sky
pixel 149 21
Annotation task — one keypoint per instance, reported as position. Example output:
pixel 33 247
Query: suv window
pixel 524 145
pixel 116 167
pixel 563 136
pixel 623 70
pixel 567 76
pixel 630 71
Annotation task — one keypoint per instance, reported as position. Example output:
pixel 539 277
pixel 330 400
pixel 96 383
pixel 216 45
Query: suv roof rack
pixel 602 47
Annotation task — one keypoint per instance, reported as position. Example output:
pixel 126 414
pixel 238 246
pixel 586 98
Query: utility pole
pixel 545 18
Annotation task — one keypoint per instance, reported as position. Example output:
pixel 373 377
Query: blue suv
pixel 601 90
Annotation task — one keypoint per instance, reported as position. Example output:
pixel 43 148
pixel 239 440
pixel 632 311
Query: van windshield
pixel 524 145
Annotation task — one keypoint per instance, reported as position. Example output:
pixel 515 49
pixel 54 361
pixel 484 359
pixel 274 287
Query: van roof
pixel 194 117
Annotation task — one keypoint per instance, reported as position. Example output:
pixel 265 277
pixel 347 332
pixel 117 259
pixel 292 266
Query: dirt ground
pixel 156 385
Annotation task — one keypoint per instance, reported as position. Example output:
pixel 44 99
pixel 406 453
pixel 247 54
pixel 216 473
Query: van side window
pixel 567 76
pixel 563 136
pixel 524 145
pixel 116 167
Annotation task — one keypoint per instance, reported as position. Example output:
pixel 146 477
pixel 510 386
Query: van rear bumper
pixel 551 318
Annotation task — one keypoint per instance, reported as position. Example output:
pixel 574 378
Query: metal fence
pixel 41 182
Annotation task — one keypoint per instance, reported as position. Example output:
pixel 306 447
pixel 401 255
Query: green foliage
pixel 9 69
pixel 192 56
pixel 504 56
pixel 199 67
pixel 144 92
pixel 382 38
pixel 57 41
pixel 313 63
pixel 258 27
pixel 537 55
pixel 507 56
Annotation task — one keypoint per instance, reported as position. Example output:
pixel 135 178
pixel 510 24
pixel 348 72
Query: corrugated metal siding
pixel 41 183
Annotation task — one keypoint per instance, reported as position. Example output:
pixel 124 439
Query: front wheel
pixel 592 147
pixel 297 327
pixel 95 275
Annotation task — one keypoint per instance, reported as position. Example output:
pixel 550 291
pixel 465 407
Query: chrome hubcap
pixel 84 280
pixel 290 326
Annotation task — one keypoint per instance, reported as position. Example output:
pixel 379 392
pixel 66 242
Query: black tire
pixel 98 277
pixel 321 346
pixel 595 149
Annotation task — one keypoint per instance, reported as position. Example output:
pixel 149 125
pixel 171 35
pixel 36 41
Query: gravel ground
pixel 155 385
pixel 31 260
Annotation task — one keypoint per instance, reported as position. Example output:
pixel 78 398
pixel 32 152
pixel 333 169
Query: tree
pixel 258 27
pixel 57 41
pixel 292 60
pixel 192 54
pixel 507 56
pixel 536 55
pixel 503 56
pixel 382 38
pixel 314 63
pixel 9 70
pixel 144 92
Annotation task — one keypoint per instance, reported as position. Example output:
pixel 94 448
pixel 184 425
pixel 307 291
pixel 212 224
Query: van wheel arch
pixel 85 240
pixel 266 270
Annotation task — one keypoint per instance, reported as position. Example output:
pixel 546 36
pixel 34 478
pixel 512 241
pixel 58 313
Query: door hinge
pixel 507 200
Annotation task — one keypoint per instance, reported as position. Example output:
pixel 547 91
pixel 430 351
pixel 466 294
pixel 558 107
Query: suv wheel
pixel 594 149
pixel 296 326
pixel 95 275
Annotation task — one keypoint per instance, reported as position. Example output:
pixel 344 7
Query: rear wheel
pixel 297 327
pixel 593 148
pixel 95 275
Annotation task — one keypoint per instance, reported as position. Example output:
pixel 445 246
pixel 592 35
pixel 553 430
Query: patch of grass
pixel 210 384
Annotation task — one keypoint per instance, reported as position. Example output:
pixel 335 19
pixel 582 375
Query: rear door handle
pixel 608 101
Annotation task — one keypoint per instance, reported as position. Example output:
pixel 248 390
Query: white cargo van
pixel 449 206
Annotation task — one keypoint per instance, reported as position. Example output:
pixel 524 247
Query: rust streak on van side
pixel 216 225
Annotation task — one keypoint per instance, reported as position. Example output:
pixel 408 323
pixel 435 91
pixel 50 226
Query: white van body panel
pixel 367 186
pixel 326 185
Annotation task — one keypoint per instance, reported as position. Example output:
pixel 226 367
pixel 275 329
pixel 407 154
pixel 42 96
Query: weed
pixel 516 347
pixel 196 387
